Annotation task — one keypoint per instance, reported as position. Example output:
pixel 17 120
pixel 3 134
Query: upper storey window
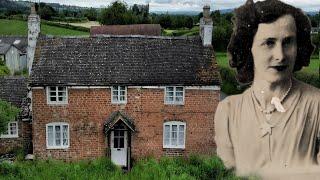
pixel 57 95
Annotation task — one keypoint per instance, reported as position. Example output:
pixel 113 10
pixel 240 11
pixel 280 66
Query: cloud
pixel 163 1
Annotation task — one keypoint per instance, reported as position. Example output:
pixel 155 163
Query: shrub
pixel 4 70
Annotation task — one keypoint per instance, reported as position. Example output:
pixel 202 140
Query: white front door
pixel 119 145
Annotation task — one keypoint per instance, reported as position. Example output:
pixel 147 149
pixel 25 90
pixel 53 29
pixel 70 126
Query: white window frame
pixel 177 123
pixel 118 95
pixel 9 135
pixel 57 99
pixel 174 102
pixel 61 146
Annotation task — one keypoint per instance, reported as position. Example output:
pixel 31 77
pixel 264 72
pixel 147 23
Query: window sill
pixel 174 104
pixel 57 103
pixel 174 147
pixel 119 103
pixel 57 147
pixel 8 136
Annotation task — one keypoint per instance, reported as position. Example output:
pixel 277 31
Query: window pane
pixel 179 88
pixel 50 135
pixel 179 94
pixel 174 135
pixel 121 142
pixel 53 98
pixel 170 94
pixel 61 93
pixel 122 93
pixel 121 133
pixel 61 89
pixel 116 142
pixel 166 134
pixel 179 99
pixel 58 135
pixel 122 98
pixel 115 98
pixel 53 93
pixel 174 139
pixel 53 89
pixel 13 128
pixel 169 89
pixel 115 88
pixel 60 98
pixel 65 135
pixel 122 88
pixel 169 99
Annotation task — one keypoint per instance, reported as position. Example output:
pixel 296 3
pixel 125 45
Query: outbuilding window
pixel 57 135
pixel 12 130
pixel 174 95
pixel 57 95
pixel 119 94
pixel 174 134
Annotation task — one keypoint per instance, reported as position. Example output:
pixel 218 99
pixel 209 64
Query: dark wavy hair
pixel 246 20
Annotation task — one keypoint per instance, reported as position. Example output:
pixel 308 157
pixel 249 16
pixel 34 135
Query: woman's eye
pixel 269 43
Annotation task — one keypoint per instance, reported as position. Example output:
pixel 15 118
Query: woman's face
pixel 274 49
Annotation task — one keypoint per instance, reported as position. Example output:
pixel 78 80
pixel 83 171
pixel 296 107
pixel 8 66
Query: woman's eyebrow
pixel 269 39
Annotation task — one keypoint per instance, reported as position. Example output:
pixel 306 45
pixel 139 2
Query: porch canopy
pixel 115 117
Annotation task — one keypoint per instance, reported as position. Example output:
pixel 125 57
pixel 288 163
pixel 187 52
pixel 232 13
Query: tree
pixel 189 22
pixel 165 21
pixel 46 12
pixel 114 14
pixel 91 14
pixel 8 113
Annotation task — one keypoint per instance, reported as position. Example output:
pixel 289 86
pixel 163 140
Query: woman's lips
pixel 279 68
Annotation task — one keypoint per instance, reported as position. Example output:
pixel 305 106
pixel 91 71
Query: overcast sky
pixel 183 5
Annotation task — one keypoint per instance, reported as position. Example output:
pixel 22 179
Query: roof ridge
pixel 121 36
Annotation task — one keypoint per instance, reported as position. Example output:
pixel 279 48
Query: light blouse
pixel 248 142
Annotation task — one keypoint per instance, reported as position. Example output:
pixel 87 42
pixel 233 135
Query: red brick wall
pixel 23 141
pixel 88 109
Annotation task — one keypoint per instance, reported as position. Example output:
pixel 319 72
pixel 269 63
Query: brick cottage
pixel 124 96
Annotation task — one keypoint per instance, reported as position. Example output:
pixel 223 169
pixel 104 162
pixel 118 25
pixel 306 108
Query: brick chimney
pixel 33 33
pixel 206 26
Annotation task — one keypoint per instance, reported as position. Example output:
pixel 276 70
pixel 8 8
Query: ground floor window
pixel 12 131
pixel 57 135
pixel 174 134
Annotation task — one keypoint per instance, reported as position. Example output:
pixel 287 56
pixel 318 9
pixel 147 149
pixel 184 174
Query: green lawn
pixel 16 27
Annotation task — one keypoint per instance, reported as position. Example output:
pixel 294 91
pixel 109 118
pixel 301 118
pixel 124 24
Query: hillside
pixel 16 27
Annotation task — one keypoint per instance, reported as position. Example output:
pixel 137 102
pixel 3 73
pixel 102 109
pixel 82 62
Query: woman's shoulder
pixel 308 91
pixel 233 100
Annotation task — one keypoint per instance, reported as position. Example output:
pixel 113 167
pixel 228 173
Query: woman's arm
pixel 222 134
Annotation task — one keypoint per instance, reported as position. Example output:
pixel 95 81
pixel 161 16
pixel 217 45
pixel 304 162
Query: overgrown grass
pixel 195 167
pixel 230 86
pixel 16 27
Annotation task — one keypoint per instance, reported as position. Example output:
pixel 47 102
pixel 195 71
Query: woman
pixel 274 123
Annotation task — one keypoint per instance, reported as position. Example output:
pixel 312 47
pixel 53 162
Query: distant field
pixel 86 24
pixel 181 32
pixel 16 27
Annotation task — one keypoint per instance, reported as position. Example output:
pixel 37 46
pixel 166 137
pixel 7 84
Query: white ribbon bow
pixel 277 103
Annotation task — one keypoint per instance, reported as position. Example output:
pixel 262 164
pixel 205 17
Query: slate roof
pixel 133 29
pixel 4 48
pixel 22 45
pixel 13 89
pixel 123 60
